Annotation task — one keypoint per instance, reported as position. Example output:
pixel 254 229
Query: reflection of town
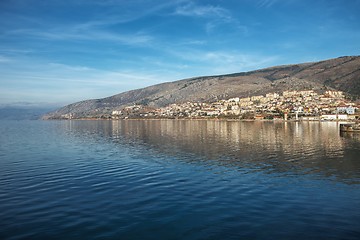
pixel 296 105
pixel 277 147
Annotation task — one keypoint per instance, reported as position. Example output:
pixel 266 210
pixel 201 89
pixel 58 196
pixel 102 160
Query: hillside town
pixel 289 105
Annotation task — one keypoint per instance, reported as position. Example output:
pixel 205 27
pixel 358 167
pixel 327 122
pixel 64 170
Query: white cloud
pixel 71 34
pixel 266 3
pixel 215 16
pixel 193 10
pixel 68 67
pixel 54 81
pixel 4 59
pixel 221 62
pixel 192 42
pixel 15 51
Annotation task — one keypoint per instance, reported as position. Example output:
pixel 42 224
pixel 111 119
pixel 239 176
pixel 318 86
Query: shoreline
pixel 202 119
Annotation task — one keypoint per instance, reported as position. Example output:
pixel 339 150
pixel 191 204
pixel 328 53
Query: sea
pixel 178 179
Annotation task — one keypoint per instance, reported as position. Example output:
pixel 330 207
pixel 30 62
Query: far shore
pixel 205 119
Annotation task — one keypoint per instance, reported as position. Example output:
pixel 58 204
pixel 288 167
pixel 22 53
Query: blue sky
pixel 62 51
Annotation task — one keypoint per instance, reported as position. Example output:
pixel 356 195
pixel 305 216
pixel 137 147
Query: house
pixel 346 109
pixel 272 95
pixel 350 110
pixel 259 117
pixel 335 94
pixel 333 117
pixel 116 112
pixel 310 118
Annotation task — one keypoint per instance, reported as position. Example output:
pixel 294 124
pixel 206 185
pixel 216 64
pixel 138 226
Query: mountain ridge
pixel 342 73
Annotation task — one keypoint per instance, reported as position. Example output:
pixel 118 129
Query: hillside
pixel 340 73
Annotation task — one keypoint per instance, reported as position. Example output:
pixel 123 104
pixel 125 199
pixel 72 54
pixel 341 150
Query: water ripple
pixel 177 180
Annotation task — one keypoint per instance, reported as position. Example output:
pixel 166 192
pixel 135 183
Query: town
pixel 289 105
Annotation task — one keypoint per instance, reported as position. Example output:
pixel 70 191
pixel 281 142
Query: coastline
pixel 203 119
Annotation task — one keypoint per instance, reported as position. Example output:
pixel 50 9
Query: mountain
pixel 341 73
pixel 23 113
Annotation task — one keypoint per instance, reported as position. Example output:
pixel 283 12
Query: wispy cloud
pixel 94 35
pixel 214 15
pixel 266 3
pixel 191 42
pixel 15 51
pixel 55 81
pixel 148 8
pixel 193 10
pixel 4 59
pixel 88 75
pixel 69 67
pixel 240 62
pixel 219 62
pixel 97 28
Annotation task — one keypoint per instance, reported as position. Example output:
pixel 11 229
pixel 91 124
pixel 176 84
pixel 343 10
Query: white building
pixel 116 112
pixel 272 95
pixel 335 94
pixel 346 109
pixel 234 99
pixel 334 117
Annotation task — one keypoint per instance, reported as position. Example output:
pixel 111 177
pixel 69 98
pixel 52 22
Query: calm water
pixel 169 179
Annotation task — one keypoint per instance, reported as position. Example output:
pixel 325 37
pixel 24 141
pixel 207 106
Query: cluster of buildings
pixel 306 105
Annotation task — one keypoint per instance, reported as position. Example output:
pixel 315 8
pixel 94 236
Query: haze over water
pixel 178 179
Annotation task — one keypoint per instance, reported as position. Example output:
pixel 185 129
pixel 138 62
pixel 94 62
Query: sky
pixel 57 52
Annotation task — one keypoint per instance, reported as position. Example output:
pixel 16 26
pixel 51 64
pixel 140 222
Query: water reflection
pixel 310 148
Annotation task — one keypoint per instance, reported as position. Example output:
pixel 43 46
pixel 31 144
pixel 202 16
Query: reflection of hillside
pixel 309 147
pixel 293 139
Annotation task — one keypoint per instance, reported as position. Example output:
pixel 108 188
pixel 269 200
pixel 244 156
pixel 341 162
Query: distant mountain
pixel 341 73
pixel 23 113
